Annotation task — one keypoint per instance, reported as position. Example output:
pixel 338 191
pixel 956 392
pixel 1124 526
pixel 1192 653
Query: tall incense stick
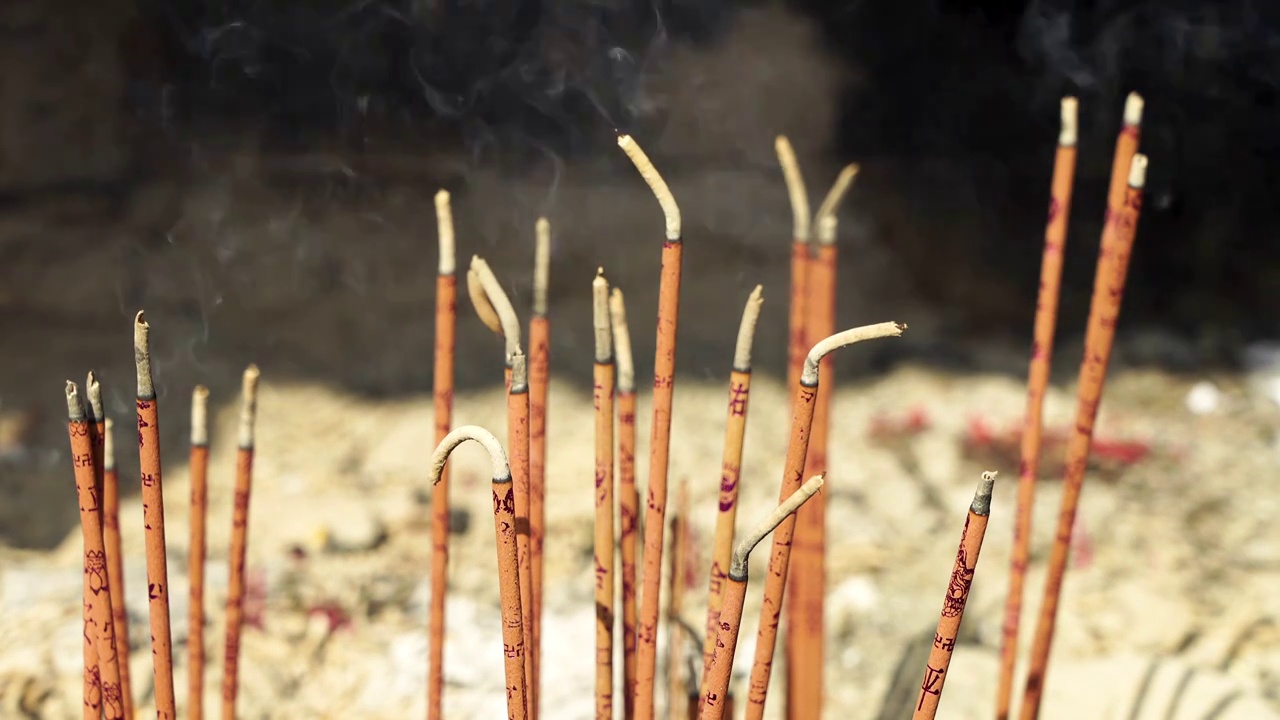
pixel 628 497
pixel 239 541
pixel 115 560
pixel 602 395
pixel 195 562
pixel 539 382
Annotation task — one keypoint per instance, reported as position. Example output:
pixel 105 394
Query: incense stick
pixel 797 449
pixel 115 561
pixel 660 436
pixel 680 551
pixel 153 521
pixel 1104 311
pixel 199 502
pixel 442 394
pixel 716 676
pixel 539 382
pixel 944 639
pixel 628 496
pixel 1055 239
pixel 603 407
pixel 239 541
pixel 504 519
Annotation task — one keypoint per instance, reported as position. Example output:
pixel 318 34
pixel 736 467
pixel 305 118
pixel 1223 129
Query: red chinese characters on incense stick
pixel 102 668
pixel 539 381
pixel 153 523
pixel 199 504
pixel 504 520
pixel 239 542
pixel 664 363
pixel 115 561
pixel 1113 265
pixel 797 448
pixel 442 391
pixel 944 639
pixel 628 496
pixel 715 679
pixel 602 396
pixel 1055 238
pixel 677 688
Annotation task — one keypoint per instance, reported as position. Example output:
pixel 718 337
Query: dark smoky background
pixel 257 175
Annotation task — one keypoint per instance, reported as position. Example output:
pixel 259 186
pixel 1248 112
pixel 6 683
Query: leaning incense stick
pixel 153 521
pixel 102 667
pixel 199 500
pixel 807 390
pixel 628 497
pixel 504 520
pixel 442 391
pixel 680 551
pixel 729 621
pixel 239 542
pixel 1055 238
pixel 1104 311
pixel 115 562
pixel 730 473
pixel 944 639
pixel 539 382
pixel 603 407
pixel 660 436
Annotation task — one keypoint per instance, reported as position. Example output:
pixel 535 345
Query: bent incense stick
pixel 808 584
pixel 539 381
pixel 442 392
pixel 730 473
pixel 199 502
pixel 115 561
pixel 716 676
pixel 797 344
pixel 944 639
pixel 628 496
pixel 153 522
pixel 504 520
pixel 1104 311
pixel 102 667
pixel 664 362
pixel 1055 238
pixel 239 541
pixel 797 448
pixel 603 406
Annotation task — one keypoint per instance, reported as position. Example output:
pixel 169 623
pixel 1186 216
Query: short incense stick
pixel 539 383
pixel 115 561
pixel 628 496
pixel 153 522
pixel 102 667
pixel 806 606
pixel 677 706
pixel 199 502
pixel 504 521
pixel 1104 312
pixel 730 473
pixel 716 677
pixel 239 541
pixel 602 395
pixel 442 391
pixel 664 363
pixel 944 639
pixel 1055 239
pixel 797 448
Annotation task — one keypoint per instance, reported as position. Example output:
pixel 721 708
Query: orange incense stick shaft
pixel 446 326
pixel 797 340
pixel 680 552
pixel 539 383
pixel 518 432
pixel 115 564
pixel 944 639
pixel 604 539
pixel 628 514
pixel 199 499
pixel 239 545
pixel 1104 312
pixel 1055 239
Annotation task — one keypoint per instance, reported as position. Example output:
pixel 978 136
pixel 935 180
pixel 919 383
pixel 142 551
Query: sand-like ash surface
pixel 1177 554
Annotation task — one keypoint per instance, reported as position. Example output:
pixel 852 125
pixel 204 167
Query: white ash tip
pixel 142 356
pixel 249 405
pixel 108 446
pixel 200 415
pixel 626 377
pixel 541 265
pixel 982 498
pixel 1133 106
pixel 444 227
pixel 75 408
pixel 94 390
pixel 1138 171
pixel 667 201
pixel 796 192
pixel 747 330
pixel 600 317
pixel 1069 133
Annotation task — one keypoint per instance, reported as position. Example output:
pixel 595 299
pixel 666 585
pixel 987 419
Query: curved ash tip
pixel 670 210
pixel 497 456
pixel 94 390
pixel 982 498
pixel 75 408
pixel 142 356
pixel 738 564
pixel 827 217
pixel 796 192
pixel 492 304
pixel 747 330
pixel 809 376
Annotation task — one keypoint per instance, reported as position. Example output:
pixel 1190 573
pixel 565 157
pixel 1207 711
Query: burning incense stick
pixel 605 587
pixel 805 647
pixel 153 521
pixel 97 428
pixel 730 472
pixel 504 521
pixel 660 437
pixel 115 562
pixel 1055 238
pixel 797 344
pixel 539 381
pixel 628 497
pixel 442 390
pixel 944 640
pixel 728 622
pixel 102 668
pixel 1104 312
pixel 199 502
pixel 239 541
pixel 797 448
pixel 680 551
